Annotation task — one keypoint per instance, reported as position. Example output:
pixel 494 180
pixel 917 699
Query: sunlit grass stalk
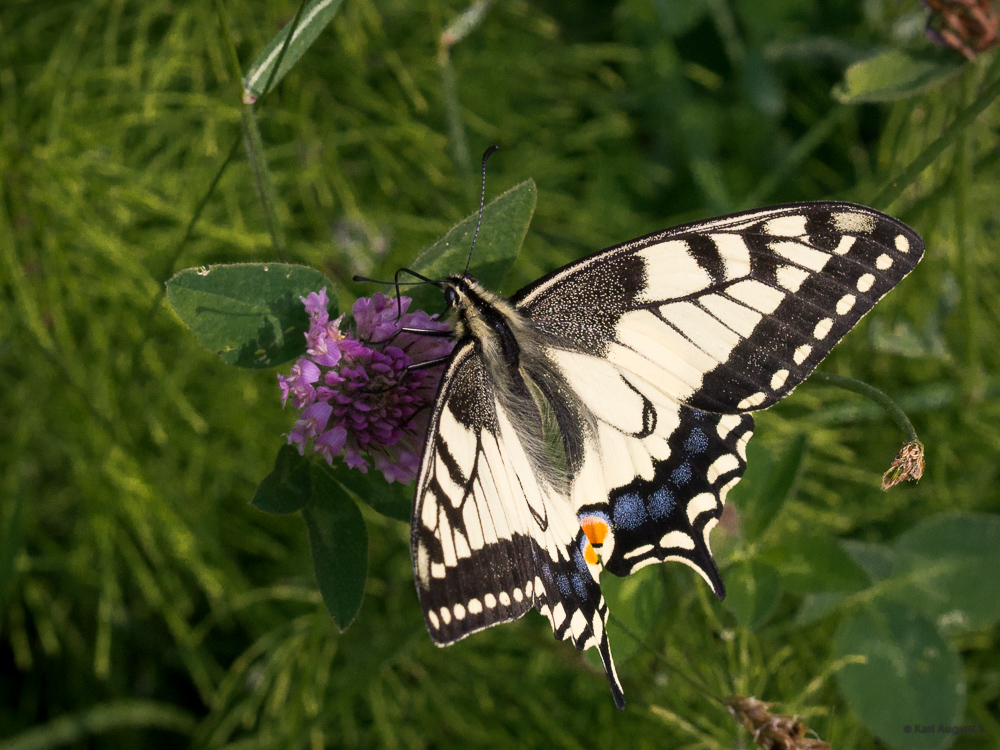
pixel 895 187
pixel 247 113
pixel 31 318
pixel 217 178
pixel 809 142
pixel 457 30
pixel 262 178
pixel 971 380
pixel 251 136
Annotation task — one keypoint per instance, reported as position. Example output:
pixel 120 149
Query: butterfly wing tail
pixel 604 649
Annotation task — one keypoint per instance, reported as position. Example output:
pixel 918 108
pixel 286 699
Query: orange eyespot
pixel 590 555
pixel 595 529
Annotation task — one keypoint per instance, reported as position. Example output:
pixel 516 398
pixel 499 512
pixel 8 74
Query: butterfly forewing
pixel 730 314
pixel 649 356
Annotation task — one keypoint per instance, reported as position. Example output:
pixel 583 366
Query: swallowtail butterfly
pixel 597 419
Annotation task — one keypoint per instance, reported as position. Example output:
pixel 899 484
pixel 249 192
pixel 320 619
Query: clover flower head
pixel 355 390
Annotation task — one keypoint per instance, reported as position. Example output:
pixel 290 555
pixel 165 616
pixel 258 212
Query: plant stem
pixel 891 408
pixel 460 27
pixel 253 142
pixel 972 386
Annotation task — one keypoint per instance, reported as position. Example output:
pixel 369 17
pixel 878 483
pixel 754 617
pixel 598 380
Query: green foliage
pixel 505 223
pixel 281 54
pixel 944 561
pixel 288 487
pixel 752 591
pixel 391 500
pixel 769 481
pixel 905 657
pixel 147 603
pixel 339 543
pixel 249 314
pixel 894 75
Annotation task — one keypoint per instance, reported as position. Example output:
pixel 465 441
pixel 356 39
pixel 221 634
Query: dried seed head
pixel 908 464
pixel 772 731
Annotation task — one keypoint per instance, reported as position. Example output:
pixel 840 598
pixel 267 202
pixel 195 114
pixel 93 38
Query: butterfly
pixel 596 420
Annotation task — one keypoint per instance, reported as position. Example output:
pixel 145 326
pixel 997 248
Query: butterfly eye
pixel 450 297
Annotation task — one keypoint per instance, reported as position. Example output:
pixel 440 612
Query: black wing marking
pixel 669 516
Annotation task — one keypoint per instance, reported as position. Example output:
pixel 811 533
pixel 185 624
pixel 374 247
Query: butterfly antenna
pixel 397 283
pixel 482 200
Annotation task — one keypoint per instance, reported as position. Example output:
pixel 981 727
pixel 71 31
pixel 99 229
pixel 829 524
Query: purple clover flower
pixel 354 390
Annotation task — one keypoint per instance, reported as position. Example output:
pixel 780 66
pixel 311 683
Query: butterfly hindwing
pixel 471 543
pixel 669 516
pixel 654 473
pixel 490 540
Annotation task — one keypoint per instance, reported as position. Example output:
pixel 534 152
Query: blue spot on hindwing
pixel 629 511
pixel 697 441
pixel 661 504
pixel 562 581
pixel 579 585
pixel 682 474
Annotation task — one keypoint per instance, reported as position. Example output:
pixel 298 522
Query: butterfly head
pixel 461 295
pixel 451 296
pixel 484 316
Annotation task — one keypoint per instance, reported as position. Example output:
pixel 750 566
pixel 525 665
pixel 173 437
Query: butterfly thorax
pixel 487 318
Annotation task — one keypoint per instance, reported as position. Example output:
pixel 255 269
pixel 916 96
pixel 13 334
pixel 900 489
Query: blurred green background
pixel 146 604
